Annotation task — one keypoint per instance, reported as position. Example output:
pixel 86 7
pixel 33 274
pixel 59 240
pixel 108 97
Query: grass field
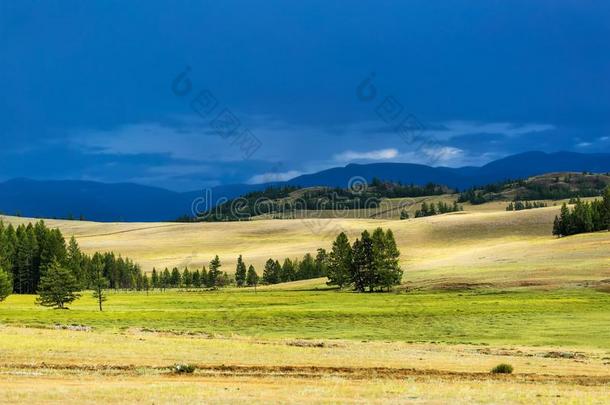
pixel 481 287
pixel 483 245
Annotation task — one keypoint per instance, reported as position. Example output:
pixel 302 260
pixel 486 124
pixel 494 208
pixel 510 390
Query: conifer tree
pixel 340 262
pixel 196 278
pixel 270 273
pixel 57 288
pixel 251 277
pixel 6 285
pixel 240 272
pixel 187 278
pixel 154 279
pixel 214 272
pixel 99 282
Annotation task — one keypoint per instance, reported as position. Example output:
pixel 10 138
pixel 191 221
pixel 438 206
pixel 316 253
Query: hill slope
pixel 485 244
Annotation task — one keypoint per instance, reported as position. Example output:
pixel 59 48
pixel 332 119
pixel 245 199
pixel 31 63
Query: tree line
pixel 528 205
pixel 212 278
pixel 583 217
pixel 370 264
pixel 431 209
pixel 29 251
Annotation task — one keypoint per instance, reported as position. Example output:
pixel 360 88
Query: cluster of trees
pixel 371 263
pixel 278 200
pixel 528 205
pixel 388 189
pixel 293 270
pixel 212 278
pixel 29 251
pixel 570 185
pixel 427 210
pixel 584 217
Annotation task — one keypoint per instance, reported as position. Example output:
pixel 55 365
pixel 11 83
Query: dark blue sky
pixel 87 86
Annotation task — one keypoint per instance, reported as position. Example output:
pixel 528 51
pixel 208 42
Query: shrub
pixel 502 369
pixel 184 369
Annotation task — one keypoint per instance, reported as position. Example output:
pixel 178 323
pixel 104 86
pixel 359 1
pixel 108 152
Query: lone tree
pixel 57 287
pixel 240 272
pixel 99 282
pixel 6 285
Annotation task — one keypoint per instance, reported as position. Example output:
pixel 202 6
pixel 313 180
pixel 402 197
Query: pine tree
pixel 605 210
pixel 166 279
pixel 340 262
pixel 187 278
pixel 205 280
pixel 145 283
pixel 196 278
pixel 240 272
pixel 99 282
pixel 386 258
pixel 57 288
pixel 154 279
pixel 175 278
pixel 6 285
pixel 321 263
pixel 270 273
pixel 251 277
pixel 363 272
pixel 74 261
pixel 288 272
pixel 214 272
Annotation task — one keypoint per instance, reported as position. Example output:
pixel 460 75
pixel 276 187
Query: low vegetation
pixel 502 368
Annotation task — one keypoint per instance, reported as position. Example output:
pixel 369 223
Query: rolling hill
pixel 484 245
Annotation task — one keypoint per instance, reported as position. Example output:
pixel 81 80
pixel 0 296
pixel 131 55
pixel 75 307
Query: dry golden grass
pixel 58 366
pixel 483 244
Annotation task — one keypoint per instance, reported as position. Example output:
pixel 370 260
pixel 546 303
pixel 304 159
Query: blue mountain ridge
pixel 137 203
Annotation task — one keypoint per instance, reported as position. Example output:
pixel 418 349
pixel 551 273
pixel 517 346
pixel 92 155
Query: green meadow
pixel 567 317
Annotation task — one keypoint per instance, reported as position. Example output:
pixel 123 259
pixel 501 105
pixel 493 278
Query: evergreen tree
pixel 321 263
pixel 154 279
pixel 340 262
pixel 214 272
pixel 240 272
pixel 270 273
pixel 386 258
pixel 187 278
pixel 99 282
pixel 251 277
pixel 175 278
pixel 75 261
pixel 6 285
pixel 307 268
pixel 57 288
pixel 288 272
pixel 205 280
pixel 145 283
pixel 196 278
pixel 166 279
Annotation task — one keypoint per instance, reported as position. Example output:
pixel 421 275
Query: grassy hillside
pixel 482 245
pixel 486 286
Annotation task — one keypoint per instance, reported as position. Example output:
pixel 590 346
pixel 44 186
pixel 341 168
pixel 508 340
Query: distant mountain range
pixel 131 202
